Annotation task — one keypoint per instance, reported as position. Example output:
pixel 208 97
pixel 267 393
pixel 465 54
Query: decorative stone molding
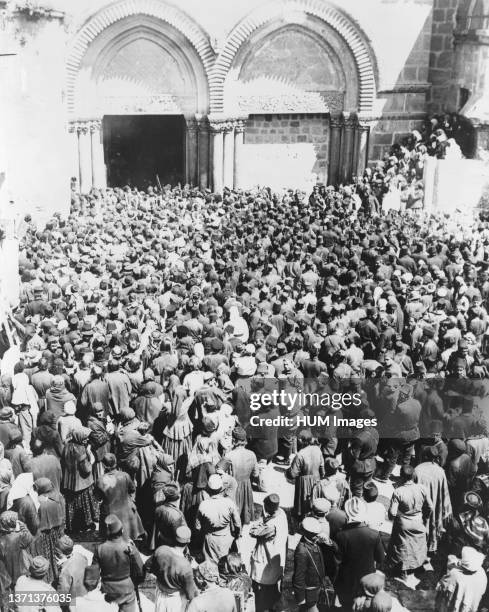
pixel 157 104
pixel 300 102
pixel 336 121
pixel 240 126
pixel 221 123
pixel 331 15
pixel 192 125
pixel 406 88
pixel 35 10
pixel 349 121
pixel 127 8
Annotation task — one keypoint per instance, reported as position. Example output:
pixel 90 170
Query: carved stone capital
pixel 349 121
pixel 95 125
pixel 240 126
pixel 192 126
pixel 85 127
pixel 336 122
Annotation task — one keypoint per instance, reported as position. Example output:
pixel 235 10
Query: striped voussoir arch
pixel 127 8
pixel 331 15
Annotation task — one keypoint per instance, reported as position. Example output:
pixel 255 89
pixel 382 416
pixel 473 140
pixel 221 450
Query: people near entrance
pixel 153 325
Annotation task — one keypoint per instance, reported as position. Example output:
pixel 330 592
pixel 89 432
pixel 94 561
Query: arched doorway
pixel 137 78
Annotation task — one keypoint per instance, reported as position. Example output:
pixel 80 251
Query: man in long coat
pixel 115 489
pixel 218 520
pixel 244 468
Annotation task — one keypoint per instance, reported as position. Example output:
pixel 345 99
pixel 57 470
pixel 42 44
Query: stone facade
pixel 292 145
pixel 443 96
pixel 305 89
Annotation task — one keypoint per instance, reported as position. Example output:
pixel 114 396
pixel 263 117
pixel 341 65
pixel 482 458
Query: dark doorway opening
pixel 139 147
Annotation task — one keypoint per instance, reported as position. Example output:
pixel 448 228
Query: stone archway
pixel 294 11
pixel 132 58
pixel 303 74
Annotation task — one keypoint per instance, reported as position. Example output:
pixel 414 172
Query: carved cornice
pixel 336 121
pixel 85 126
pixel 406 88
pixel 223 123
pixel 240 126
pixel 192 125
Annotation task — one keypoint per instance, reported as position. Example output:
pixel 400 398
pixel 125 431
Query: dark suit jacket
pixel 359 549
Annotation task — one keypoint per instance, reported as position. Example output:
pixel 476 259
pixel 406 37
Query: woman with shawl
pixel 233 575
pixel 239 326
pixel 177 436
pixel 5 486
pixel 5 391
pixel 77 483
pixel 148 405
pixel 5 464
pixel 200 467
pixel 24 401
pixel 15 541
pixel 51 523
pixel 22 498
pixel 469 527
pixel 47 434
pixel 100 441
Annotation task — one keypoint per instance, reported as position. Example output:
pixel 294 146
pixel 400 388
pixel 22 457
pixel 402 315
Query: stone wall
pixel 293 146
pixel 387 131
pixel 443 94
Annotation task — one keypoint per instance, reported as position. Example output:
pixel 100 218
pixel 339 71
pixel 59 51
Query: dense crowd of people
pixel 147 322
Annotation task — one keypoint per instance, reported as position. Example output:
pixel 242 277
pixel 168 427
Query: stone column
pixel 99 173
pixel 336 123
pixel 228 150
pixel 74 157
pixel 203 152
pixel 238 152
pixel 192 152
pixel 347 148
pixel 363 131
pixel 85 156
pixel 217 145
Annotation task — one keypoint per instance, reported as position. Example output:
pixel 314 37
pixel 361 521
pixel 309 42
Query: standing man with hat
pixel 359 550
pixel 121 566
pixel 309 573
pixel 175 585
pixel 218 520
pixel 72 566
pixel 36 584
pixel 270 553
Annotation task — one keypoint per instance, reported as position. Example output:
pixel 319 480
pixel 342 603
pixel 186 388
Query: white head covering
pixel 23 485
